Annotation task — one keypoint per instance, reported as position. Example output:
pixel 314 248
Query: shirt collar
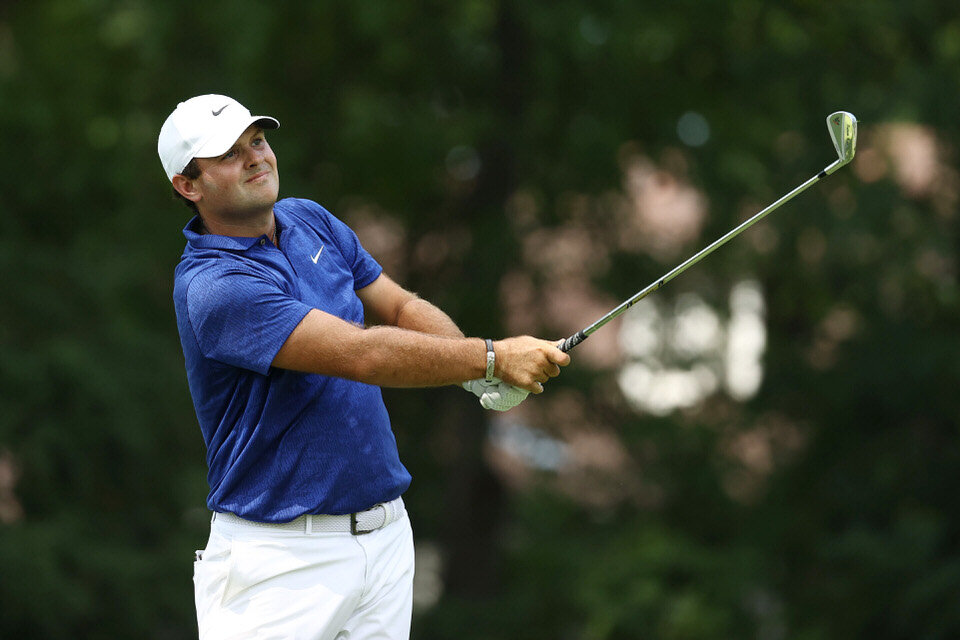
pixel 199 240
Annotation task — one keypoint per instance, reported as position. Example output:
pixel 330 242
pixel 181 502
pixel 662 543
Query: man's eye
pixel 228 155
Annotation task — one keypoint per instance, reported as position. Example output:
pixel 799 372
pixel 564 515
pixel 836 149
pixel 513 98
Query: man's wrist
pixel 491 360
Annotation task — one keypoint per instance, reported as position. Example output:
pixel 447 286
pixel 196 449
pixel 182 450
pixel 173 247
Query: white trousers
pixel 256 582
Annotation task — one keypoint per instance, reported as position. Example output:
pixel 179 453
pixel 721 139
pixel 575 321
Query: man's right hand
pixel 528 362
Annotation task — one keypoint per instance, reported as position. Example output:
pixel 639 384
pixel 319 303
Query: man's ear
pixel 186 187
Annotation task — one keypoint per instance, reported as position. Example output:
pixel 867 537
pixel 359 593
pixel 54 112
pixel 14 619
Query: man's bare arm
pixel 395 357
pixel 393 305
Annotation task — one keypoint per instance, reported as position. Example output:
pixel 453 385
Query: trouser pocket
pixel 211 570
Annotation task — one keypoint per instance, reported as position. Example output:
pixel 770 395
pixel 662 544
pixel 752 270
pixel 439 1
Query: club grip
pixel 573 341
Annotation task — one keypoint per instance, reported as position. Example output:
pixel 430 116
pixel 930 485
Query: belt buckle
pixel 353 526
pixel 353 520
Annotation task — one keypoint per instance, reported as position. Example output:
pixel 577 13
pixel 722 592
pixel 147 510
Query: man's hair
pixel 192 171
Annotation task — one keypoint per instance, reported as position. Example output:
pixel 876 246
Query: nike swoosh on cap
pixel 217 112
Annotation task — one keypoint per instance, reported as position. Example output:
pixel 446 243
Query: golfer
pixel 309 536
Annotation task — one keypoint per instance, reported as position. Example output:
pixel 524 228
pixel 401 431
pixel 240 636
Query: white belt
pixel 376 517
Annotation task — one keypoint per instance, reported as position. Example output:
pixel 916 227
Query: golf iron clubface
pixel 842 127
pixel 843 131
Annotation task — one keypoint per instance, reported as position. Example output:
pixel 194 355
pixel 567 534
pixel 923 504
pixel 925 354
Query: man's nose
pixel 253 156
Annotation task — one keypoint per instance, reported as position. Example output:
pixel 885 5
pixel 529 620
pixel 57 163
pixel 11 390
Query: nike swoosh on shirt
pixel 317 257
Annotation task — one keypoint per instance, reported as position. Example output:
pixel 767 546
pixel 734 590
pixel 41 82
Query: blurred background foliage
pixel 524 165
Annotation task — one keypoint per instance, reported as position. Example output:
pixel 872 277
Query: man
pixel 309 537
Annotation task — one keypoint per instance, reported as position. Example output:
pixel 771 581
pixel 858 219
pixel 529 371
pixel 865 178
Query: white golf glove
pixel 496 394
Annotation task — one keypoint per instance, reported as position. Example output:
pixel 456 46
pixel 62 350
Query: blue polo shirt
pixel 281 443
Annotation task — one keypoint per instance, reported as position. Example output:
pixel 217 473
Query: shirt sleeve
pixel 365 268
pixel 241 319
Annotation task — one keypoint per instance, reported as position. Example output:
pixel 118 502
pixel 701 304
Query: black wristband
pixel 491 360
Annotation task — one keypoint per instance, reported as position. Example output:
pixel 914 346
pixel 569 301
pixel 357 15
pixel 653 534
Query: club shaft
pixel 583 334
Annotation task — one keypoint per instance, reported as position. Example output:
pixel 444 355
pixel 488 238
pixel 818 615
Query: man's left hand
pixel 496 394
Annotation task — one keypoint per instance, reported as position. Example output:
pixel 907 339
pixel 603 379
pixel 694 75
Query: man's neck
pixel 261 225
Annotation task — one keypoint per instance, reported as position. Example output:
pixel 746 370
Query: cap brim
pixel 220 142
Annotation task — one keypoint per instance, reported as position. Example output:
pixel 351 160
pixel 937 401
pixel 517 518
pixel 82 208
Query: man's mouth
pixel 258 176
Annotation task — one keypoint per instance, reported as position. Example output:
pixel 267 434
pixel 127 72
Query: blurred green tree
pixel 487 153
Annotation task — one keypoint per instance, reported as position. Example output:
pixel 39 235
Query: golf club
pixel 843 131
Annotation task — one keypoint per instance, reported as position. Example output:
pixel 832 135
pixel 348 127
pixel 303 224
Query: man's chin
pixel 273 189
pixel 264 195
pixel 255 206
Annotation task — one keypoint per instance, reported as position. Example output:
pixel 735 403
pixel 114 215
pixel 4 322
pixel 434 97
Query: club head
pixel 842 126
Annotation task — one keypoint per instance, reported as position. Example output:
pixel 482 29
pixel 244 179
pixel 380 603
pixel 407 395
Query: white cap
pixel 204 127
